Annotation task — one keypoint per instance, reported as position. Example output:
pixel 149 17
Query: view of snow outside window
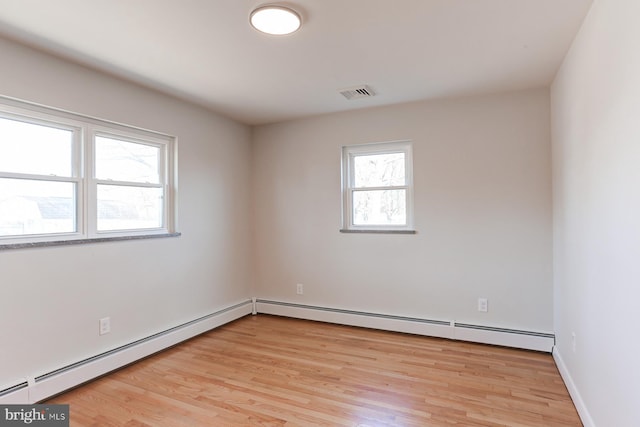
pixel 376 198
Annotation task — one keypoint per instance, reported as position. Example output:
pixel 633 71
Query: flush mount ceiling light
pixel 276 20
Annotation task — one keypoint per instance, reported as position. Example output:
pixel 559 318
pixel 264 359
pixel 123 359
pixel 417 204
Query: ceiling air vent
pixel 356 92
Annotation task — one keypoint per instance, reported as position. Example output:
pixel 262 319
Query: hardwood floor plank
pixel 272 371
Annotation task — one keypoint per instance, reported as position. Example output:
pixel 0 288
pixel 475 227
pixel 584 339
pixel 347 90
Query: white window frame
pixel 85 129
pixel 349 153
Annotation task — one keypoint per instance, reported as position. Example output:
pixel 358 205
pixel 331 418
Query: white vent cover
pixel 356 92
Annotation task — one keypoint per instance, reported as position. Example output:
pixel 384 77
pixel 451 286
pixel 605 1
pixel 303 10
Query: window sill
pixel 83 241
pixel 344 230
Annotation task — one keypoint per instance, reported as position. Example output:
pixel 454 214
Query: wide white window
pixel 377 187
pixel 70 177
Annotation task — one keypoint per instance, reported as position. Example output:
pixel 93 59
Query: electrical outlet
pixel 483 305
pixel 105 325
pixel 300 289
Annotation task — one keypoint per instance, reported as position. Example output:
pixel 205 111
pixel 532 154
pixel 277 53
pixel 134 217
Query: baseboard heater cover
pixel 15 394
pixel 359 313
pixel 529 340
pixel 36 389
pixel 410 325
pixel 506 330
pixel 66 377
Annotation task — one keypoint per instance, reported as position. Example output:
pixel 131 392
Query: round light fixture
pixel 276 20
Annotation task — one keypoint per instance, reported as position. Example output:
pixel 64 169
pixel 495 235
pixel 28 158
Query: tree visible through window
pixel 130 193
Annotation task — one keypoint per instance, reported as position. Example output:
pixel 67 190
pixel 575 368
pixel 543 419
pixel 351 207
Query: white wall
pixel 51 298
pixel 596 182
pixel 482 211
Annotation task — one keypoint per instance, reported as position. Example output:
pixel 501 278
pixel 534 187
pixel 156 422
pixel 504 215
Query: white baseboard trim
pixel 32 390
pixel 529 340
pixel 585 416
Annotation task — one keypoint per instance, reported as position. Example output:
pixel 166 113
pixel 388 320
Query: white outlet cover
pixel 105 325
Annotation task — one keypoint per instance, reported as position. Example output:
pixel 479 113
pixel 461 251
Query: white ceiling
pixel 406 50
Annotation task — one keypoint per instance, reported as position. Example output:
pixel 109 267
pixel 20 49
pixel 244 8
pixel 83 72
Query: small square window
pixel 377 187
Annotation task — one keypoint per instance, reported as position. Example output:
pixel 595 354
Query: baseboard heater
pixel 529 340
pixel 40 387
pixel 17 393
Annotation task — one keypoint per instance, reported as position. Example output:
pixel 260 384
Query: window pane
pixel 36 207
pixel 126 161
pixel 129 208
pixel 380 207
pixel 35 149
pixel 379 170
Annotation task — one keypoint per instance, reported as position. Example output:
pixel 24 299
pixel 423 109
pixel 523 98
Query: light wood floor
pixel 273 371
